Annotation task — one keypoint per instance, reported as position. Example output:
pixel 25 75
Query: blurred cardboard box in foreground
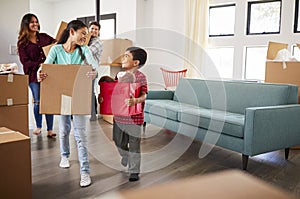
pixel 67 90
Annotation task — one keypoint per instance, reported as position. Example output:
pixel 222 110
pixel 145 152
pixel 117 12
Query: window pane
pixel 296 52
pixel 264 17
pixel 107 29
pixel 223 61
pixel 255 62
pixel 221 20
pixel 297 16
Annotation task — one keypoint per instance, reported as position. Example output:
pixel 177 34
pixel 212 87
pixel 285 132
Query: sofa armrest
pixel 160 94
pixel 271 128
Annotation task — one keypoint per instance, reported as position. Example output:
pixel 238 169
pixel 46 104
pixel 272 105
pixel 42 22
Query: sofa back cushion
pixel 234 96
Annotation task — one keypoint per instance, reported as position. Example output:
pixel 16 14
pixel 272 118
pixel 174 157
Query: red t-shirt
pixel 139 118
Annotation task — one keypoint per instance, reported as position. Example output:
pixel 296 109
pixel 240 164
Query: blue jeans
pixel 127 138
pixel 79 122
pixel 35 90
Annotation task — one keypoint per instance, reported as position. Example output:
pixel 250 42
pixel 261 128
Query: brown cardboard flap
pixel 273 49
pixel 62 26
pixel 113 49
pixel 15 117
pixel 8 135
pixel 46 49
pixel 66 82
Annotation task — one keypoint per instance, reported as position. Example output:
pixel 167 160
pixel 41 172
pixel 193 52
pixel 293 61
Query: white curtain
pixel 196 12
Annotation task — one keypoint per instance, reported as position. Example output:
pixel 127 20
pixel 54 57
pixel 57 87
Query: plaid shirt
pixel 139 118
pixel 95 46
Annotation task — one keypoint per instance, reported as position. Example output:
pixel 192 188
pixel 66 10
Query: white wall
pixel 11 12
pixel 162 15
pixel 163 35
pixel 240 40
pixel 132 15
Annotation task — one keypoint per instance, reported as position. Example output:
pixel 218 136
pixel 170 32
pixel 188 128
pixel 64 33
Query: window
pixel 297 19
pixel 264 17
pixel 296 52
pixel 255 62
pixel 107 22
pixel 221 20
pixel 223 60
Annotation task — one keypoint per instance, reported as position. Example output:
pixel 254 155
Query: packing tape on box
pixel 10 102
pixel 10 78
pixel 66 105
pixel 6 132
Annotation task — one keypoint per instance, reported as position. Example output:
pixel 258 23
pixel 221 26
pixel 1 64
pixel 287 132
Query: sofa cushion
pixel 166 108
pixel 226 122
pixel 233 96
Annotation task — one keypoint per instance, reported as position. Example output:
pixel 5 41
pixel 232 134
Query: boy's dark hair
pixel 106 78
pixel 138 54
pixel 96 23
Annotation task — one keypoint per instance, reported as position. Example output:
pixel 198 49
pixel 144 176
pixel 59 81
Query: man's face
pixel 94 30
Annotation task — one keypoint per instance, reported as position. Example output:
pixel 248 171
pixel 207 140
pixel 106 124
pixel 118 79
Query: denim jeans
pixel 35 90
pixel 79 122
pixel 127 138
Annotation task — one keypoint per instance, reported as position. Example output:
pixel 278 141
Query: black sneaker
pixel 134 177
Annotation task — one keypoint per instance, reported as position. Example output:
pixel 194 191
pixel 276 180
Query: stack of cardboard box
pixel 14 102
pixel 15 164
pixel 281 71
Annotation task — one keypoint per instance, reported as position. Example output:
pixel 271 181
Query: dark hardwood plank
pixel 50 181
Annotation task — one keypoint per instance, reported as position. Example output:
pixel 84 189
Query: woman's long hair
pixel 24 28
pixel 75 24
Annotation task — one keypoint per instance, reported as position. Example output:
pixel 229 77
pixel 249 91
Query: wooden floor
pixel 159 163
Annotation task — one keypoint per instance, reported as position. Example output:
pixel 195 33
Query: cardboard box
pixel 15 117
pixel 15 165
pixel 114 95
pixel 113 50
pixel 63 25
pixel 275 73
pixel 108 118
pixel 273 49
pixel 231 184
pixel 67 90
pixel 13 89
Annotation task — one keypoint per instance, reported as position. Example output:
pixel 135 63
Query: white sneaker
pixel 64 162
pixel 85 180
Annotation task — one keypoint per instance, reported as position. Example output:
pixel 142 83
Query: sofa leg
pixel 245 161
pixel 286 153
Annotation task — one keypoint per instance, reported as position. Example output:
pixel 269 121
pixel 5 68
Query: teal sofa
pixel 246 117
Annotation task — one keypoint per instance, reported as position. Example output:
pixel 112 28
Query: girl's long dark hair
pixel 75 24
pixel 24 28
